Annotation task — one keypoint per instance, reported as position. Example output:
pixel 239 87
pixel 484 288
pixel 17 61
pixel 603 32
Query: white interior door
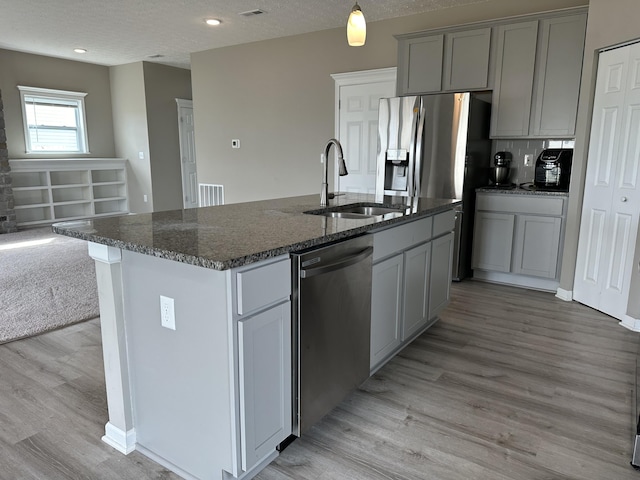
pixel 187 153
pixel 358 95
pixel 611 203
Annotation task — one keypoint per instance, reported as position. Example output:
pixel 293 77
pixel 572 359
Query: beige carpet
pixel 47 281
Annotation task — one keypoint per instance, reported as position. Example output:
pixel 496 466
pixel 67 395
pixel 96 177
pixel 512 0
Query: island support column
pixel 119 431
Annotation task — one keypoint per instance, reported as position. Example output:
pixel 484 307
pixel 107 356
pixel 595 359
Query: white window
pixel 54 120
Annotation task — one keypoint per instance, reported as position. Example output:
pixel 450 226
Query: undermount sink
pixel 359 211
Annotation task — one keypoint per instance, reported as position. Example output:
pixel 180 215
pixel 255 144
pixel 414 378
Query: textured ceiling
pixel 116 32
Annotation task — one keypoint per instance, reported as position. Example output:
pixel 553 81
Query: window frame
pixel 60 95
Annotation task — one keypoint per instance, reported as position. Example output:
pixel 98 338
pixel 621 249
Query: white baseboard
pixel 535 283
pixel 124 442
pixel 631 323
pixel 165 463
pixel 225 475
pixel 566 295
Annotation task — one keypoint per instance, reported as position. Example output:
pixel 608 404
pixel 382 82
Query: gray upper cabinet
pixel 557 81
pixel 451 61
pixel 537 77
pixel 421 65
pixel 466 60
pixel 513 88
pixel 532 64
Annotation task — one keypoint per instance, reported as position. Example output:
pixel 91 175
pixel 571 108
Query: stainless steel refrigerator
pixel 436 146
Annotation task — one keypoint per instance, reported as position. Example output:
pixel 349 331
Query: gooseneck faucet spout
pixel 342 169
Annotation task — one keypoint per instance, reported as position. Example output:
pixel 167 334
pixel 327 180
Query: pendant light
pixel 356 27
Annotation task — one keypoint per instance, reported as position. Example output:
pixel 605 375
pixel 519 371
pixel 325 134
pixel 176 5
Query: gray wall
pixel 18 68
pixel 129 109
pixel 130 128
pixel 146 120
pixel 277 97
pixel 162 86
pixel 609 23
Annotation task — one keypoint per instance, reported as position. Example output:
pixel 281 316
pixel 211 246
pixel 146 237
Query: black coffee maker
pixel 553 169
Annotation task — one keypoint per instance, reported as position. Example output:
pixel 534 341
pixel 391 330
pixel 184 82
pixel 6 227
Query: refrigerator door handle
pixel 414 187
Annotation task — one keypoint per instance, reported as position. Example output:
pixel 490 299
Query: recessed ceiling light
pixel 212 21
pixel 80 50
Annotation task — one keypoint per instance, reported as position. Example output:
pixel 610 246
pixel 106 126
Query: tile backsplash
pixel 519 148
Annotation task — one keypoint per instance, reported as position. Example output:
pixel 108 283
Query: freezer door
pixel 399 135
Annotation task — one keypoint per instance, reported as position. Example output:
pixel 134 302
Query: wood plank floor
pixel 510 384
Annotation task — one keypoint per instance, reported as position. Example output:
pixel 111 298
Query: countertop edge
pixel 67 229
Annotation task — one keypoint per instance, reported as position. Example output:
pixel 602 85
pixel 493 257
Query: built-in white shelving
pixel 51 190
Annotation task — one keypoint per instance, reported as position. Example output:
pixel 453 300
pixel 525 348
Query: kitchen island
pixel 195 310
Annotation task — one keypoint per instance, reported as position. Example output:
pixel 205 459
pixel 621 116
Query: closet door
pixel 610 210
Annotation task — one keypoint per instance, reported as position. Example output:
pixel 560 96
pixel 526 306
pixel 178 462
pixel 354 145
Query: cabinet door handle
pixel 623 199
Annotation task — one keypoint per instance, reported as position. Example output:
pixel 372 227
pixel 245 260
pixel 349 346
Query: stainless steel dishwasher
pixel 331 327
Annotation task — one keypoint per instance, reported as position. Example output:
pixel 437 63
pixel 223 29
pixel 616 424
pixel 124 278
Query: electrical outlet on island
pixel 528 159
pixel 167 312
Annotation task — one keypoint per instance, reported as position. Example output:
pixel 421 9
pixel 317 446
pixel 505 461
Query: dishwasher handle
pixel 342 263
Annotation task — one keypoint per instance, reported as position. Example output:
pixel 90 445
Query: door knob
pixel 623 199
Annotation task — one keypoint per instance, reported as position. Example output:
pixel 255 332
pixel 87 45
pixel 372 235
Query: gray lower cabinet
pixel 441 271
pixel 518 239
pixel 262 329
pixel 493 241
pixel 264 361
pixel 416 291
pixel 411 282
pixel 214 394
pixel 386 308
pixel 536 245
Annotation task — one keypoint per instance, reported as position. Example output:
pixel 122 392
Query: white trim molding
pixel 358 78
pixel 365 76
pixel 361 77
pixel 119 431
pixel 630 323
pixel 124 442
pixel 566 295
pixel 184 103
pixel 105 253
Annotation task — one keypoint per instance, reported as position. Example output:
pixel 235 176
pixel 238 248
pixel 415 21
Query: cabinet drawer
pixel 443 223
pixel 397 239
pixel 526 204
pixel 263 285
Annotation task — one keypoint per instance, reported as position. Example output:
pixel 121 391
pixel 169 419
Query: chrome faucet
pixel 342 169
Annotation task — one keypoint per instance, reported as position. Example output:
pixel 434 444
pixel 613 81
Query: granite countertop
pixel 233 235
pixel 522 191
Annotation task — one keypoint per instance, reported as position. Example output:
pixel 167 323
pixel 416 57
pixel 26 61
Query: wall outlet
pixel 235 143
pixel 528 160
pixel 144 197
pixel 167 313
